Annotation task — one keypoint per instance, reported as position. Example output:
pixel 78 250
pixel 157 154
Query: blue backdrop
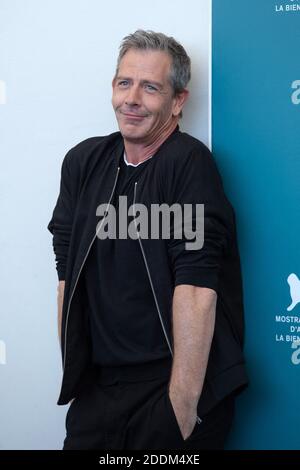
pixel 256 142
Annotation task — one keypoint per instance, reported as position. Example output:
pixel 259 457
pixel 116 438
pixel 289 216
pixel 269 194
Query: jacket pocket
pixel 175 425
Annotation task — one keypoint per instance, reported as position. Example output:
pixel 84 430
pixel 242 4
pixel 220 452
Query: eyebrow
pixel 143 82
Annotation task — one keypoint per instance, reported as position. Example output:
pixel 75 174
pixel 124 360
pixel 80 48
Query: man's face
pixel 142 95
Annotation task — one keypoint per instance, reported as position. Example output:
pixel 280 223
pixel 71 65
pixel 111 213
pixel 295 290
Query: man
pixel 151 331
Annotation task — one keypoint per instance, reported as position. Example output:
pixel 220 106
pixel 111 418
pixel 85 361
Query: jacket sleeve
pixel 61 222
pixel 196 180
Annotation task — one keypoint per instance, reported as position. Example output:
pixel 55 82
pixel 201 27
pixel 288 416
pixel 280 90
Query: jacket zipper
pixel 84 260
pixel 199 420
pixel 149 274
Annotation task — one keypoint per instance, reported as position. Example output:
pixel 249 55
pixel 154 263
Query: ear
pixel 179 101
pixel 113 82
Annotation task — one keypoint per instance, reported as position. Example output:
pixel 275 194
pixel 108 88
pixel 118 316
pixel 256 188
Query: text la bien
pixel 292 7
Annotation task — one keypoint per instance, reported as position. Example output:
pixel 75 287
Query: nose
pixel 133 96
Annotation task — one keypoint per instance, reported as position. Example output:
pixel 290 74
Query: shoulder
pixel 188 165
pixel 183 154
pixel 190 143
pixel 82 151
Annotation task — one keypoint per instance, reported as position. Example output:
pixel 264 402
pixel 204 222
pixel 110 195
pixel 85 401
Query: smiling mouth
pixel 133 116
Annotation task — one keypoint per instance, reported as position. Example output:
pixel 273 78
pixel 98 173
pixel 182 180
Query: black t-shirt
pixel 124 322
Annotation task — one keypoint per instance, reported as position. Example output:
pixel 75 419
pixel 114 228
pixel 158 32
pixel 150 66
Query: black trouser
pixel 129 408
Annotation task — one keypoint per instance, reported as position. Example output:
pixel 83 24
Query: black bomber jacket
pixel 182 171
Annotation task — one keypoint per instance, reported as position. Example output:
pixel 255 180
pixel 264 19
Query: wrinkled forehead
pixel 145 64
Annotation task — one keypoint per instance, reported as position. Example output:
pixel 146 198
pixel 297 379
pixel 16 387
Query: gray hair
pixel 149 40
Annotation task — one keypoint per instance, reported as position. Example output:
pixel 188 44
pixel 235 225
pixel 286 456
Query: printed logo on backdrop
pixel 2 353
pixel 290 324
pixel 291 7
pixel 296 93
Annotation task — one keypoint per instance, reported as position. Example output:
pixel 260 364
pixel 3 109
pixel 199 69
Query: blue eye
pixel 150 87
pixel 123 83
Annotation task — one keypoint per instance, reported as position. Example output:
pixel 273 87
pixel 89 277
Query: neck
pixel 138 152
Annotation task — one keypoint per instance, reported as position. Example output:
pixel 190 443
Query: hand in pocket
pixel 183 417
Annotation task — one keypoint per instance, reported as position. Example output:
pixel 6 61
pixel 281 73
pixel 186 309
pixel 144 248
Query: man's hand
pixel 60 299
pixel 185 412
